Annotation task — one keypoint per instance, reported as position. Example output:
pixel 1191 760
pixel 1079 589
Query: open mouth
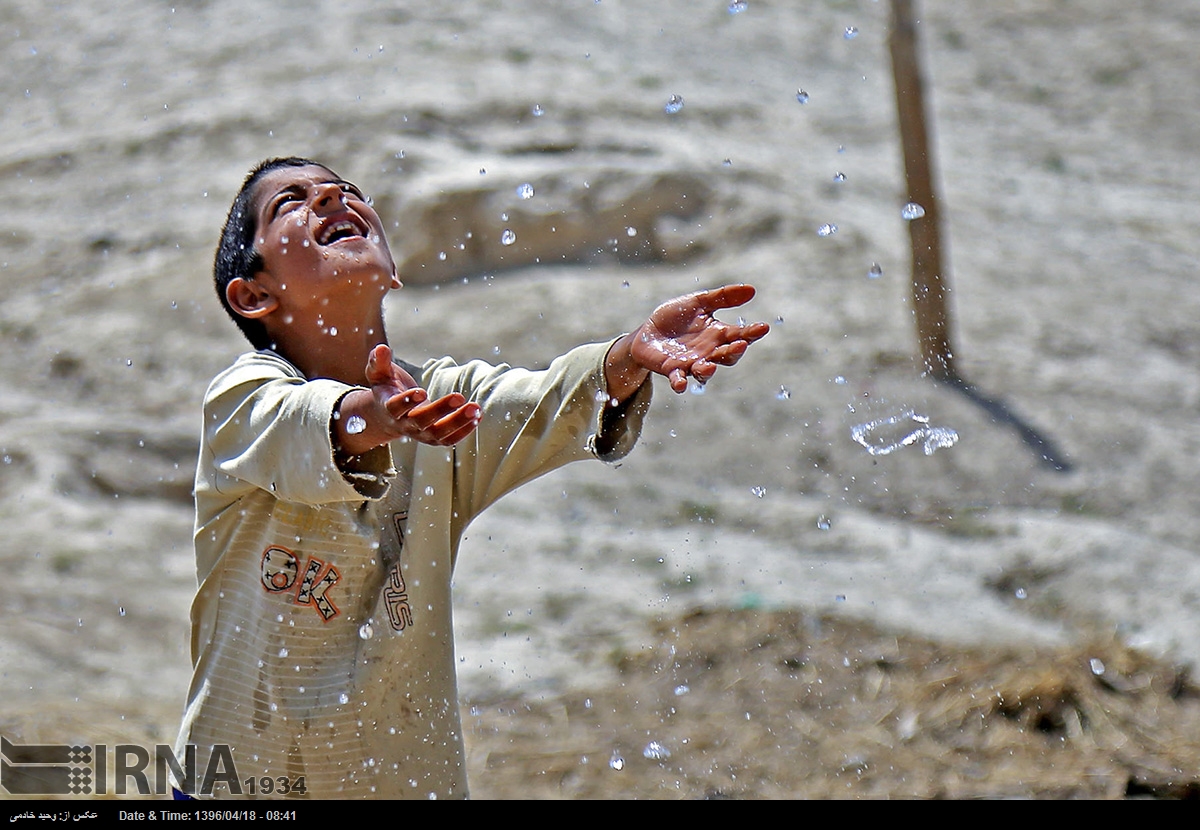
pixel 340 230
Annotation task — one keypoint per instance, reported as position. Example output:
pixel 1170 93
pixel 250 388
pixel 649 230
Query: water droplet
pixel 681 690
pixel 839 380
pixel 911 211
pixel 886 435
pixel 851 33
pixel 695 386
pixel 525 191
pixel 783 394
pixel 802 96
pixel 441 256
pixel 874 272
pixel 121 610
pixel 827 230
pixel 738 6
pixel 283 652
pixel 429 489
pixel 343 698
pixel 1020 593
pixel 1096 665
pixel 129 362
pixel 365 631
pixel 333 331
pixel 840 598
pixel 616 762
pixel 631 232
pixel 759 491
pixel 823 522
pixel 656 751
pixel 839 176
pixel 674 104
pixel 508 237
pixel 355 424
pixel 537 111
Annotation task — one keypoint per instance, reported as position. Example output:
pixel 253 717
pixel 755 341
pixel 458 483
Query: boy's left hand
pixel 683 339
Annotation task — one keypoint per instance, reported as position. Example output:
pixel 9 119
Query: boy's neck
pixel 337 351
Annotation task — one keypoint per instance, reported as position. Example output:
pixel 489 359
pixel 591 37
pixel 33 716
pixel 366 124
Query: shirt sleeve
pixel 534 421
pixel 268 427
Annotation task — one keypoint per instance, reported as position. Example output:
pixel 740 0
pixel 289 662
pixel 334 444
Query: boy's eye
pixel 356 193
pixel 283 201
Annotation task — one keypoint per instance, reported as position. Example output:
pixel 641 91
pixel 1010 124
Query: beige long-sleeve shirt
pixel 322 638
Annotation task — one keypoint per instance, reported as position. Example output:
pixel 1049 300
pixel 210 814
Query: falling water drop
pixel 655 751
pixel 508 237
pixel 802 96
pixel 355 424
pixel 874 272
pixel 911 211
pixel 674 104
pixel 828 229
pixel 525 191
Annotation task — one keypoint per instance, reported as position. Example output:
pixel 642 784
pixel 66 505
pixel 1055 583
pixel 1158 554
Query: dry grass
pixel 779 705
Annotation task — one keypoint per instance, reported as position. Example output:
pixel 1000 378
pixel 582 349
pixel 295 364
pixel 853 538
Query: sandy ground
pixel 1065 139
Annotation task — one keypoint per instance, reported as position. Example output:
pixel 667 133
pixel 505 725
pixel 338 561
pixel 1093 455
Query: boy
pixel 333 488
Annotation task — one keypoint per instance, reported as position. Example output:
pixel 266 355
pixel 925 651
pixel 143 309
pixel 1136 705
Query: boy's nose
pixel 329 196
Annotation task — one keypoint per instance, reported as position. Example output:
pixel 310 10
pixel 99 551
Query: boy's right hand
pixel 396 407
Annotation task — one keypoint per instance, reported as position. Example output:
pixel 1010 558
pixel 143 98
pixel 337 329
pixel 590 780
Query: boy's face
pixel 319 239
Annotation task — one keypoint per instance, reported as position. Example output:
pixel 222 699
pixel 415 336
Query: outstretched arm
pixel 682 339
pixel 395 406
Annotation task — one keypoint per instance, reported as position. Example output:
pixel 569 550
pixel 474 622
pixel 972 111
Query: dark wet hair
pixel 236 252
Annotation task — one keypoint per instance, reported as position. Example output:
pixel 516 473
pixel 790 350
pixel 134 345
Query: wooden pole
pixel 929 282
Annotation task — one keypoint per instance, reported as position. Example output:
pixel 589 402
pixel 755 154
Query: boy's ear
pixel 249 298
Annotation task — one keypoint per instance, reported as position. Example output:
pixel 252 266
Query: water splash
pixel 911 211
pixel 655 751
pixel 886 435
pixel 674 104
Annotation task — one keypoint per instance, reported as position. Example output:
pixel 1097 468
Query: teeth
pixel 336 228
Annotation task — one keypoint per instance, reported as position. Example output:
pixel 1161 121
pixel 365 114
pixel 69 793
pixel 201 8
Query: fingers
pixel 678 380
pixel 378 362
pixel 727 296
pixel 443 422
